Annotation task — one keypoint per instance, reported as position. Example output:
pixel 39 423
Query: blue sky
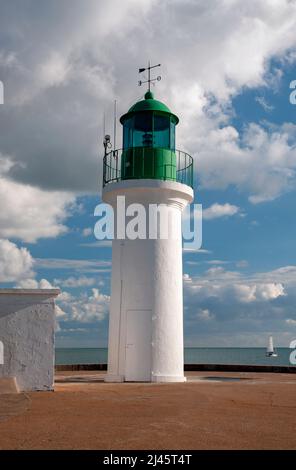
pixel 227 77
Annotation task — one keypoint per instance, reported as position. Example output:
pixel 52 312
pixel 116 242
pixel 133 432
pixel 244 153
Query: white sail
pixel 270 348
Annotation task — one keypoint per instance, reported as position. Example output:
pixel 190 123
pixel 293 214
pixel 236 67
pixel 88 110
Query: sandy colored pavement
pixel 257 412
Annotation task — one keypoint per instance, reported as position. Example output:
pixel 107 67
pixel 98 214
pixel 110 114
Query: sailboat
pixel 270 351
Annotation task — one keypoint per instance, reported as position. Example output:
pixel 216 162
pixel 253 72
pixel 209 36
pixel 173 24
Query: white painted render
pixel 27 322
pixel 147 344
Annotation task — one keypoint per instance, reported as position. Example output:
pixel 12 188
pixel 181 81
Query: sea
pixel 252 356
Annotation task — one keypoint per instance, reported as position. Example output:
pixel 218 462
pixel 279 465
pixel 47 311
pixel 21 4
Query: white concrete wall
pixel 27 322
pixel 147 277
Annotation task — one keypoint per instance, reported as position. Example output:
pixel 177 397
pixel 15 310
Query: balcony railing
pixel 171 165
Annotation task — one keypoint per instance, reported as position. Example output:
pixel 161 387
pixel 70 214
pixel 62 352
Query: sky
pixel 226 71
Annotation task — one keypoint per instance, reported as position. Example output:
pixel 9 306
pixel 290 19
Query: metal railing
pixel 182 162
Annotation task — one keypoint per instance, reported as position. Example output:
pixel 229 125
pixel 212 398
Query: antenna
pixel 115 118
pixel 104 123
pixel 107 139
pixel 150 80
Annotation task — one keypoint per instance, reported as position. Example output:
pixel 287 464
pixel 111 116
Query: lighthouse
pixel 146 308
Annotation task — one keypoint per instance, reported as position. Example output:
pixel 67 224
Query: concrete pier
pixel 210 411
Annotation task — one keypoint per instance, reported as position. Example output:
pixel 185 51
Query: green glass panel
pixel 155 163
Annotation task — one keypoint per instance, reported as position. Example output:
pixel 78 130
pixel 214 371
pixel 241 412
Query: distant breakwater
pixel 192 367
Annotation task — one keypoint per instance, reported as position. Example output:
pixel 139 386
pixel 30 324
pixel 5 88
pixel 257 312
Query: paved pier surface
pixel 213 410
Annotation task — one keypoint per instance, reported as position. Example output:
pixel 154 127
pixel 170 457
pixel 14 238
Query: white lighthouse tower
pixel 146 311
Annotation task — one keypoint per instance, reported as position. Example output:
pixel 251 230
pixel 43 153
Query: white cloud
pixel 29 213
pixel 205 315
pixel 54 71
pixel 28 283
pixel 15 263
pixel 217 262
pixel 265 105
pixel 222 284
pixel 260 161
pixel 200 251
pixel 45 284
pixel 260 292
pixel 86 232
pixel 98 244
pixel 80 265
pixel 244 293
pixel 285 275
pixel 220 210
pixel 65 297
pixel 234 309
pixel 59 314
pixel 269 291
pixel 34 284
pixel 74 61
pixel 8 59
pixel 85 308
pixel 219 273
pixel 242 264
pixel 73 282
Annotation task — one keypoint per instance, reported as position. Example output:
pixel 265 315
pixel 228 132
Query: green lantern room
pixel 149 148
pixel 149 141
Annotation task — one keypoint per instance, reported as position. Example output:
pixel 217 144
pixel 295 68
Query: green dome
pixel 148 104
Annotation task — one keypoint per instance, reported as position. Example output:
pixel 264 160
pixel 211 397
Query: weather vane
pixel 150 80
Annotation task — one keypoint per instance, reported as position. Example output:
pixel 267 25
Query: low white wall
pixel 27 322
